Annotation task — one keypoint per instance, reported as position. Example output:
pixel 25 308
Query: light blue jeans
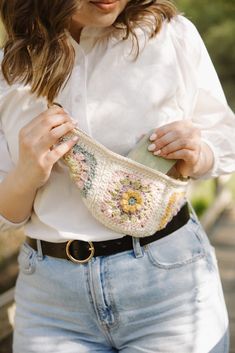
pixel 163 298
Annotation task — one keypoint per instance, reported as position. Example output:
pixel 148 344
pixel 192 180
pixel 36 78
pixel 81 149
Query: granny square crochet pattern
pixel 124 195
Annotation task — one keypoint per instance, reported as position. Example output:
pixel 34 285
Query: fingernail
pixel 156 153
pixel 75 123
pixel 152 147
pixel 153 137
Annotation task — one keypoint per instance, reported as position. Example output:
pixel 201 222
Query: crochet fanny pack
pixel 122 194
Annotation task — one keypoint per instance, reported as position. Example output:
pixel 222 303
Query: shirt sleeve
pixel 6 165
pixel 5 160
pixel 209 108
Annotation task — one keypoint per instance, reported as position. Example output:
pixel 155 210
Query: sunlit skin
pixel 97 13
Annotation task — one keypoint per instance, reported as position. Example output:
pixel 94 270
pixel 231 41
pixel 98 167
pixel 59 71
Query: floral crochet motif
pixel 128 199
pixel 131 201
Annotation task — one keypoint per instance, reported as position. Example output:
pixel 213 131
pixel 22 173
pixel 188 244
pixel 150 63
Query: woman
pixel 115 69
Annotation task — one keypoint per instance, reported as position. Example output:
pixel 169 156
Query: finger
pixel 179 144
pixel 43 126
pixel 163 141
pixel 189 156
pixel 172 135
pixel 54 109
pixel 41 118
pixel 182 127
pixel 52 137
pixel 49 121
pixel 51 111
pixel 58 151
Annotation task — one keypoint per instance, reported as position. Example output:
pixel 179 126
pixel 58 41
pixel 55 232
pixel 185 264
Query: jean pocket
pixel 27 259
pixel 179 248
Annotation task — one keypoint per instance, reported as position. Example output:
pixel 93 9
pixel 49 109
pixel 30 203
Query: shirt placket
pixel 73 97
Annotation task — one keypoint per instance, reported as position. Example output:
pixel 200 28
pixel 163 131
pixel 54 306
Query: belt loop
pixel 39 250
pixel 138 250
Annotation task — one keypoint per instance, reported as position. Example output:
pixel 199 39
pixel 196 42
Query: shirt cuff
pixel 212 172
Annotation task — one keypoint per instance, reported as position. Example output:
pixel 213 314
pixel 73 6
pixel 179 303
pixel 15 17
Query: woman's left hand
pixel 181 140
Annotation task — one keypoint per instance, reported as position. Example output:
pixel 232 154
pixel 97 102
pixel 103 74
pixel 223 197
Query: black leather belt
pixel 81 251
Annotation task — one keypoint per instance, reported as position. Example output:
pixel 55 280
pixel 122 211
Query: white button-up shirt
pixel 116 99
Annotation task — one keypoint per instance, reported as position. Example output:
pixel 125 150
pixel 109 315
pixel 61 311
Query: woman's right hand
pixel 38 151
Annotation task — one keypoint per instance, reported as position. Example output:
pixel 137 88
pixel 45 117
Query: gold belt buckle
pixel 77 261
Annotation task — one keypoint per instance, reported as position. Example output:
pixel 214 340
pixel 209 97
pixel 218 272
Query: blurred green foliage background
pixel 215 21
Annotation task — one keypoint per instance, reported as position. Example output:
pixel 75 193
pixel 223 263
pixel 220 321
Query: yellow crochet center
pixel 131 201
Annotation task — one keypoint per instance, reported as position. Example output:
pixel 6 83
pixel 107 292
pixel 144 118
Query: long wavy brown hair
pixel 37 50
